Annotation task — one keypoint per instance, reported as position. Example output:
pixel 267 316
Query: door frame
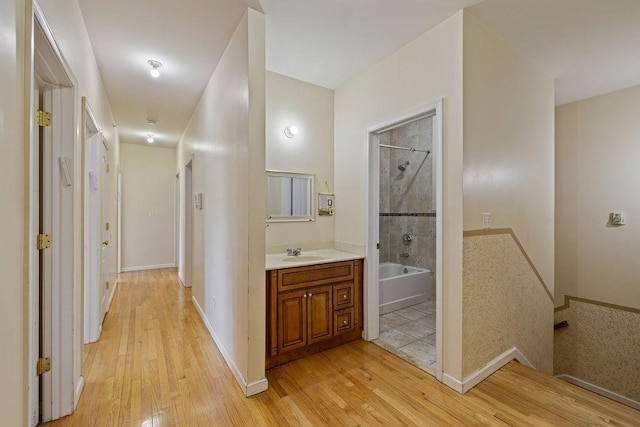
pixel 372 287
pixel 63 384
pixel 176 220
pixel 91 140
pixel 188 224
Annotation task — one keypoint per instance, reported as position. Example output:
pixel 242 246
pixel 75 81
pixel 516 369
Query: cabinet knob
pixel 304 296
pixel 344 296
pixel 344 322
pixel 310 294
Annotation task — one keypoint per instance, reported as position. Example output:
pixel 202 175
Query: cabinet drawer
pixel 314 275
pixel 342 295
pixel 343 321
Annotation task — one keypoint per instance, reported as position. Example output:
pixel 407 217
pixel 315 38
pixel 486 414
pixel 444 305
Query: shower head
pixel 403 167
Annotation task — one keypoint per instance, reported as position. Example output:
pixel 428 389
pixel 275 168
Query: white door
pixel 93 283
pixel 105 227
pixel 188 225
pixel 53 270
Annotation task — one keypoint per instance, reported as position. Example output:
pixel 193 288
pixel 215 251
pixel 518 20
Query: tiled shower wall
pixel 408 196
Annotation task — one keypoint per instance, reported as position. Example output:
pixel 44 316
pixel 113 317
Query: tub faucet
pixel 404 255
pixel 294 252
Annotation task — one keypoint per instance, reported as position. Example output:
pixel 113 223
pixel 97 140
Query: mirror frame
pixel 307 218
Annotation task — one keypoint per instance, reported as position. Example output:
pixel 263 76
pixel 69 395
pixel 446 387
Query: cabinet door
pixel 292 325
pixel 320 318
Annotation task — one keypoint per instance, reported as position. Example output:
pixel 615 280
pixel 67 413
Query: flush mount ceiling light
pixel 150 139
pixel 152 122
pixel 155 68
pixel 290 131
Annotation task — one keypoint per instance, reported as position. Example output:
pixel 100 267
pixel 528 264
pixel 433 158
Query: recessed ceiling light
pixel 155 68
pixel 150 139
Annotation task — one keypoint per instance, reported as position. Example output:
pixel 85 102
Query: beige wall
pixel 225 138
pixel 600 346
pixel 292 102
pixel 508 143
pixel 148 175
pixel 13 324
pixel 424 71
pixel 596 173
pixel 505 305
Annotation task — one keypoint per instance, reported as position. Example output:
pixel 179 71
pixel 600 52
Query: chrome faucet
pixel 404 255
pixel 294 252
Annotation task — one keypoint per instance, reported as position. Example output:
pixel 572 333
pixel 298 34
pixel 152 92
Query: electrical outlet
pixel 486 220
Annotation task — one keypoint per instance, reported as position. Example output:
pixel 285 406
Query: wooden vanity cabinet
pixel 312 308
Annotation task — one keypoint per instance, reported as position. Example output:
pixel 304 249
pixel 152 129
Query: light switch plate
pixel 616 218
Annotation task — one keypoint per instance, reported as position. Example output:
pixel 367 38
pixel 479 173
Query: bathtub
pixel 402 286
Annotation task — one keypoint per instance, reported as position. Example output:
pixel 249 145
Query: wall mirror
pixel 290 196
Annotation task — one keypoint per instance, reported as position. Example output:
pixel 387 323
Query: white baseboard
pixel 481 374
pixel 452 382
pixel 599 390
pixel 249 389
pixel 78 392
pixel 146 267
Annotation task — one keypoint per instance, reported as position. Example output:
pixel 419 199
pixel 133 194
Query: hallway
pixel 156 365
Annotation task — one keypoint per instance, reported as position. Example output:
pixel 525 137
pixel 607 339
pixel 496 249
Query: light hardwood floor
pixel 156 365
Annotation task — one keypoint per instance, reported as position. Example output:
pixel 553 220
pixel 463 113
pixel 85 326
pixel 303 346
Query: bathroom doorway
pixel 405 228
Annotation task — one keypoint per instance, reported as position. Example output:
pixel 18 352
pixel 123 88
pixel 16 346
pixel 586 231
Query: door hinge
pixel 107 167
pixel 43 241
pixel 107 284
pixel 43 118
pixel 107 226
pixel 43 365
pixel 377 245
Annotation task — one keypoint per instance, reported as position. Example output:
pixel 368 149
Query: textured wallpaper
pixel 505 305
pixel 601 346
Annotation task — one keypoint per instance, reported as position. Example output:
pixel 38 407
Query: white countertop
pixel 320 256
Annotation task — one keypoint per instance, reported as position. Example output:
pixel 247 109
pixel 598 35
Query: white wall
pixel 13 304
pixel 148 175
pixel 597 154
pixel 425 70
pixel 67 26
pixel 508 143
pixel 225 138
pixel 292 102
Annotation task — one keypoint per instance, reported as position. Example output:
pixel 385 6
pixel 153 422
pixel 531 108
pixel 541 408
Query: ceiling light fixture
pixel 150 139
pixel 155 65
pixel 290 131
pixel 152 122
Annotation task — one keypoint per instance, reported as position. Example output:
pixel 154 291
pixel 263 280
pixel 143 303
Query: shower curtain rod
pixel 405 148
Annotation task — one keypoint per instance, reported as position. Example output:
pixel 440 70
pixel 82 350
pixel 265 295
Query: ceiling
pixel 589 47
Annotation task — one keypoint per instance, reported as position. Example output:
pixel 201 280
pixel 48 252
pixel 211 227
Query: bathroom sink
pixel 302 258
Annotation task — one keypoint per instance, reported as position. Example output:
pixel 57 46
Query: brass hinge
pixel 107 226
pixel 43 118
pixel 43 365
pixel 107 167
pixel 43 241
pixel 107 284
